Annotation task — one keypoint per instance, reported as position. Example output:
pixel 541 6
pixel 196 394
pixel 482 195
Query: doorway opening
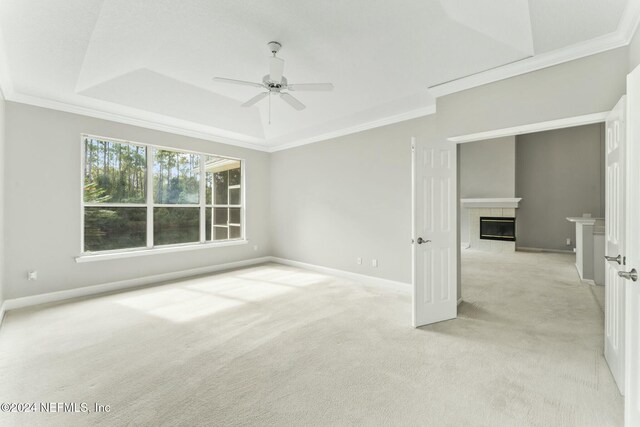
pixel 541 192
pixel 532 217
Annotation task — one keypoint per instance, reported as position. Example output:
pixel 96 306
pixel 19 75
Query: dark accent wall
pixel 559 173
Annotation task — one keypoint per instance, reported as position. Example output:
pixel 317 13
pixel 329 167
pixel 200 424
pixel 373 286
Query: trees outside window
pixel 139 196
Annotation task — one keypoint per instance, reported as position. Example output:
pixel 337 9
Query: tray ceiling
pixel 153 60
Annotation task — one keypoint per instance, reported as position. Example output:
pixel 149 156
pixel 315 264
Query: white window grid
pixel 150 205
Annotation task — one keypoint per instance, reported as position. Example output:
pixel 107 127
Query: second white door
pixel 615 236
pixel 434 231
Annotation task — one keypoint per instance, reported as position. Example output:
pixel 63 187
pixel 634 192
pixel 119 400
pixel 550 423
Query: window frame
pixel 149 205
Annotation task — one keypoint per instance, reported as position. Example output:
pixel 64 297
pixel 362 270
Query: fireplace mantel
pixel 491 202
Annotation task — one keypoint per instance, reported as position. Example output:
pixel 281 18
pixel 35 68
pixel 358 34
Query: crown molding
pixel 145 119
pixel 159 123
pixel 586 119
pixel 413 114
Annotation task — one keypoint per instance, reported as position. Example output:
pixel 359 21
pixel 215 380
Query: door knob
pixel 421 240
pixel 633 274
pixel 617 259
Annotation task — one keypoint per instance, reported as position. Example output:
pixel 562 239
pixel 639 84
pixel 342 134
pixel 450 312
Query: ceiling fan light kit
pixel 276 83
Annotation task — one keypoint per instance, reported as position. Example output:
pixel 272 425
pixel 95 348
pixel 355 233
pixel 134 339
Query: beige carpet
pixel 274 345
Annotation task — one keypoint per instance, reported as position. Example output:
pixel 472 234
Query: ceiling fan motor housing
pixel 274 47
pixel 273 86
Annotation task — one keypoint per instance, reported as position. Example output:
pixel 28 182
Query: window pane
pixel 234 196
pixel 114 228
pixel 176 177
pixel 176 225
pixel 234 232
pixel 209 189
pixel 221 187
pixel 221 174
pixel 234 176
pixel 220 233
pixel 114 172
pixel 234 215
pixel 220 216
pixel 208 218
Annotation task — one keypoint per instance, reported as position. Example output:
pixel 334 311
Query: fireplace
pixel 498 228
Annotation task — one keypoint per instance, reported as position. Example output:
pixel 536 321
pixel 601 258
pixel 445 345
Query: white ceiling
pixel 153 60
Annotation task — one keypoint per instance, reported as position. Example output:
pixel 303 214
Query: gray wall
pixel 42 203
pixel 559 173
pixel 487 169
pixel 332 201
pixel 588 85
pixel 348 197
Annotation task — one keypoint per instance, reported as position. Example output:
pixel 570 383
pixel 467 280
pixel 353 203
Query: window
pixel 224 195
pixel 139 196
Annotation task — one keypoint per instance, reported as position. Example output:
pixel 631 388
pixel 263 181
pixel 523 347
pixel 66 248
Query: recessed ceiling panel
pixel 506 21
pixel 149 91
pixel 45 42
pixel 556 24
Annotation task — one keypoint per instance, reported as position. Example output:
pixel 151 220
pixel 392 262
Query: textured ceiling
pixel 158 56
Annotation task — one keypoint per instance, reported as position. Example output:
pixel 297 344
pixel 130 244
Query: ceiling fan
pixel 277 84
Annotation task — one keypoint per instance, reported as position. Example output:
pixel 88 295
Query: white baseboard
pixel 2 309
pixel 12 304
pixel 553 251
pixel 356 277
pixel 459 300
pixel 16 303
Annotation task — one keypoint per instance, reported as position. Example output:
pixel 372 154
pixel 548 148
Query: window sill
pixel 156 251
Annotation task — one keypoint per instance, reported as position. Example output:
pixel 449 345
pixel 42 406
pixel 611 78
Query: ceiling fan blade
pixel 276 68
pixel 237 82
pixel 255 99
pixel 325 87
pixel 286 97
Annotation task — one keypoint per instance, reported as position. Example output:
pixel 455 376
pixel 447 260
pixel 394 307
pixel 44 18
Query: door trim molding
pixel 566 122
pixel 413 231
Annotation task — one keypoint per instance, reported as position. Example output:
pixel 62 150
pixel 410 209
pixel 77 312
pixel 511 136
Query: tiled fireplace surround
pixel 499 207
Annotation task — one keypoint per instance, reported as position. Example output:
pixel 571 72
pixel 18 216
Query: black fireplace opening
pixel 498 228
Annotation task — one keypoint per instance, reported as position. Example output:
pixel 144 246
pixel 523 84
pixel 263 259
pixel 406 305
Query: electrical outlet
pixel 359 261
pixel 374 263
pixel 568 241
pixel 32 275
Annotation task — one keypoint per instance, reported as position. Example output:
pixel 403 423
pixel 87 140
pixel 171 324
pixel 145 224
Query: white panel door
pixel 632 323
pixel 615 238
pixel 434 231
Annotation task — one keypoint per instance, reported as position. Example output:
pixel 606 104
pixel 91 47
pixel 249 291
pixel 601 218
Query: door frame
pixel 567 122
